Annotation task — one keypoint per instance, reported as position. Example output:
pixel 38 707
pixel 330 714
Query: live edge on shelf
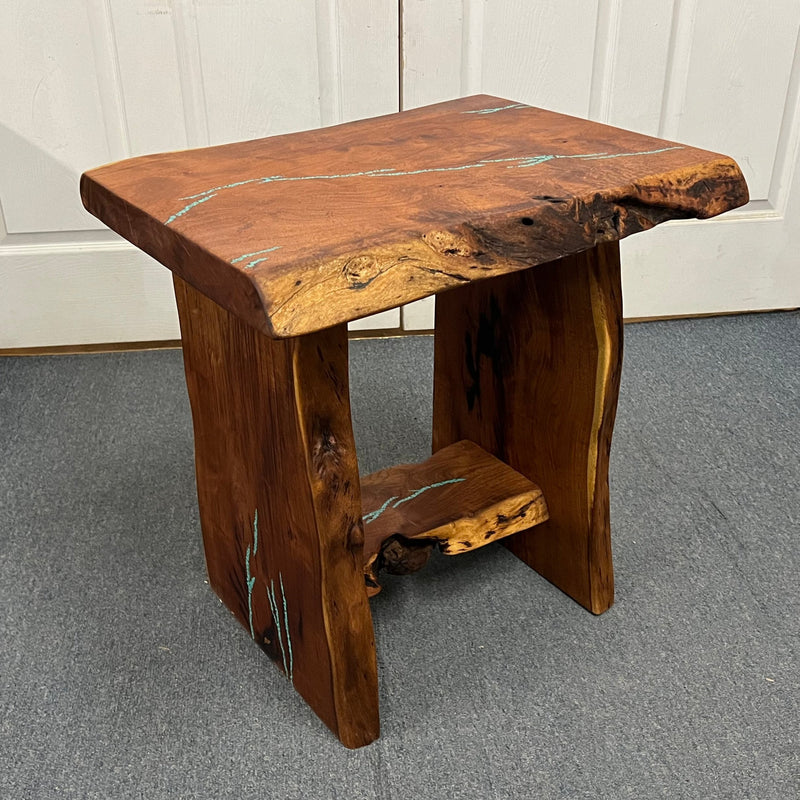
pixel 460 499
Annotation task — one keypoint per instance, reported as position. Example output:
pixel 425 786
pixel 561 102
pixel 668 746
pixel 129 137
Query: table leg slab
pixel 280 503
pixel 528 366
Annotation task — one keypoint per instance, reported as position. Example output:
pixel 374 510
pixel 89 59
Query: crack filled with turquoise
pixel 371 516
pixel 251 264
pixel 251 582
pixel 188 208
pixel 390 172
pixel 281 628
pixel 286 626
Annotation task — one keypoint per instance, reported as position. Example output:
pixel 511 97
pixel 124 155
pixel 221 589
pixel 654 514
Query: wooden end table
pixel 512 215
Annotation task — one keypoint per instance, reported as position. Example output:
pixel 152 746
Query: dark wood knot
pixel 326 455
pixel 355 535
pixel 360 271
pixel 449 244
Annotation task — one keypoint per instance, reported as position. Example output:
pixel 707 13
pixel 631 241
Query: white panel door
pixel 91 81
pixel 718 74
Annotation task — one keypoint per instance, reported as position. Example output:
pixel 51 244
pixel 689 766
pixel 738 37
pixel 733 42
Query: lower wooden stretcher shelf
pixel 461 498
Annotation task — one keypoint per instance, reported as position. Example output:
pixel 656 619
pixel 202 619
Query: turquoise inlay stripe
pixel 276 616
pixel 373 515
pixel 275 178
pixel 388 172
pixel 188 208
pixel 425 489
pixel 286 627
pixel 271 605
pixel 254 263
pixel 220 188
pixel 370 173
pixel 257 253
pixel 601 156
pixel 495 110
pixel 255 532
pixel 251 582
pixel 533 161
pixel 274 610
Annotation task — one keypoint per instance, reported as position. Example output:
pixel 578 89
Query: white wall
pixel 718 74
pixel 90 81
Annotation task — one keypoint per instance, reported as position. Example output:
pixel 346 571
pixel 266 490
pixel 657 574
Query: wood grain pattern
pixel 460 499
pixel 300 232
pixel 278 488
pixel 528 366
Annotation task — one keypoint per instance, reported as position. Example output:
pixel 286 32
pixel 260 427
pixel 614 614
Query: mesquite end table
pixel 513 214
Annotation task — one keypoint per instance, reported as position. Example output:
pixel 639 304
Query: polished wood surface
pixel 278 487
pixel 528 366
pixel 458 500
pixel 300 232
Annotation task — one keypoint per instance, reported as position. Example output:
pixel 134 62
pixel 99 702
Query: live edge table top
pixel 299 232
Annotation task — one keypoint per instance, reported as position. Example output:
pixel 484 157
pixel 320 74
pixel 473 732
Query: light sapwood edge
pixel 303 350
pixel 304 438
pixel 600 274
pixel 523 511
pixel 602 374
pixel 470 533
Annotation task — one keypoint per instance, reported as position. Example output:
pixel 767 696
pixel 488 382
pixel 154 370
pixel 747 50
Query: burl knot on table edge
pixel 512 216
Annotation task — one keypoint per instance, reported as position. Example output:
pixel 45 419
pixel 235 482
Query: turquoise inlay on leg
pixel 274 611
pixel 276 616
pixel 251 582
pixel 255 532
pixel 286 628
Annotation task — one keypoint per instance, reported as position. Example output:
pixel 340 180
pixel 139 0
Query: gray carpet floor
pixel 122 676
